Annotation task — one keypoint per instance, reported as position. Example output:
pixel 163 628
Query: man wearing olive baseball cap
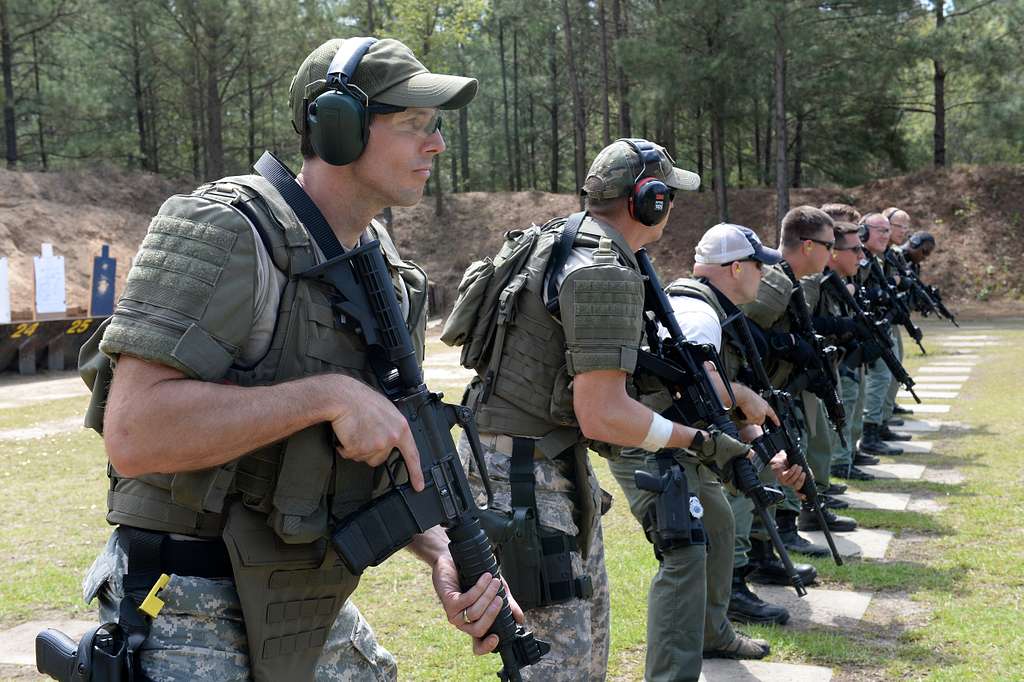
pixel 243 419
pixel 555 385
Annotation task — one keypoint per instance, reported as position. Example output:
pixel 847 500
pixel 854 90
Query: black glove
pixel 792 348
pixel 870 351
pixel 840 327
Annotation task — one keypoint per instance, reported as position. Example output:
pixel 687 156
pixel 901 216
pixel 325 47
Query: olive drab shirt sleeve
pixel 189 298
pixel 772 299
pixel 602 316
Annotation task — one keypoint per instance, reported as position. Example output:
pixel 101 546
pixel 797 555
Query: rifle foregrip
pixel 471 552
pixel 56 654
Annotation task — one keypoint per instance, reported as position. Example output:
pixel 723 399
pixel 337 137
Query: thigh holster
pixel 536 561
pixel 674 520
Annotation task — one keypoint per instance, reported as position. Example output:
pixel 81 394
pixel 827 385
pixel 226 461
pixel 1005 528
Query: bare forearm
pixel 179 424
pixel 428 547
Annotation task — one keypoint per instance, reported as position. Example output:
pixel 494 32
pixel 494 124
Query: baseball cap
pixel 388 73
pixel 725 243
pixel 617 167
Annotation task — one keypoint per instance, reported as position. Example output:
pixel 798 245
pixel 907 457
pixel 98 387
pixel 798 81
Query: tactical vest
pixel 273 507
pixel 732 358
pixel 530 394
pixel 768 311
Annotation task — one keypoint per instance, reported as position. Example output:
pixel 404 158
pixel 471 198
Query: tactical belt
pixel 536 561
pixel 197 558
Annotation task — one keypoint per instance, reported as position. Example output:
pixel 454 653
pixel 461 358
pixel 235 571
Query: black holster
pixel 536 561
pixel 670 522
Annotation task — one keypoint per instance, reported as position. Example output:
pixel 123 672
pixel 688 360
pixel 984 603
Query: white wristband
pixel 658 434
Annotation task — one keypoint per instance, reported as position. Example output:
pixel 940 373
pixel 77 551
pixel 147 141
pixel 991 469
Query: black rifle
pixel 780 437
pixel 898 308
pixel 679 365
pixel 365 299
pixel 838 289
pixel 926 298
pixel 825 385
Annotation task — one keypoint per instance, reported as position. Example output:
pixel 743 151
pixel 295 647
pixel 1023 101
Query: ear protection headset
pixel 650 199
pixel 918 239
pixel 863 229
pixel 338 120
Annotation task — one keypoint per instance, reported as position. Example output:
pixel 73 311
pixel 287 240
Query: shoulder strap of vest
pixel 560 256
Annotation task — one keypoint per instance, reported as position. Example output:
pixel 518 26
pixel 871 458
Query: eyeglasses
pixel 855 247
pixel 828 245
pixel 425 122
pixel 757 264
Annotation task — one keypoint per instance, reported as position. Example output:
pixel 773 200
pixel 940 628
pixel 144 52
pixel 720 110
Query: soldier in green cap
pixel 554 383
pixel 240 415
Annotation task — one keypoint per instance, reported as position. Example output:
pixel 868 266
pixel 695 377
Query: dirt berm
pixel 976 213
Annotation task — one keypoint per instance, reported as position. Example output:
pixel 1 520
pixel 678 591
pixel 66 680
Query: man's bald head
pixel 877 238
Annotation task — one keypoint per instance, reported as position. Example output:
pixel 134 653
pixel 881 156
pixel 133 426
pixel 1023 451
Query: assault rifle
pixel 366 300
pixel 880 337
pixel 898 307
pixel 825 385
pixel 679 365
pixel 780 437
pixel 927 297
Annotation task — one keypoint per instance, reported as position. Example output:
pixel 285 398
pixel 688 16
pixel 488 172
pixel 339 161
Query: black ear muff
pixel 649 201
pixel 863 232
pixel 650 198
pixel 915 242
pixel 337 119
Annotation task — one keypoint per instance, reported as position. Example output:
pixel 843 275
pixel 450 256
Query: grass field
pixel 947 603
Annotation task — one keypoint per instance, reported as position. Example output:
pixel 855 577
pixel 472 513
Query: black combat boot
pixel 835 488
pixel 898 409
pixel 888 434
pixel 793 541
pixel 871 442
pixel 837 524
pixel 746 607
pixel 861 459
pixel 831 502
pixel 851 473
pixel 769 570
pixel 895 421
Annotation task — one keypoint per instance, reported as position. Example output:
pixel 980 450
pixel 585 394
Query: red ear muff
pixel 649 201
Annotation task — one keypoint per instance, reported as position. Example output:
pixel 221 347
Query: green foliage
pixel 199 87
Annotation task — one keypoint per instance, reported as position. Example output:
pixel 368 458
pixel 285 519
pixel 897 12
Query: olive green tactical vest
pixel 768 311
pixel 531 394
pixel 273 507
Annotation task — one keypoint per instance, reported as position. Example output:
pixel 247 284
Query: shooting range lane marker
pixel 971 344
pixel 860 499
pixel 952 338
pixel 18 645
pixel 43 429
pixel 913 447
pixel 926 394
pixel 945 369
pixel 948 476
pixel 831 608
pixel 902 472
pixel 930 426
pixel 724 670
pixel 930 409
pixel 866 543
pixel 929 386
pixel 20 393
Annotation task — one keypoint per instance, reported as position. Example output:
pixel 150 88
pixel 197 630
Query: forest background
pixel 770 93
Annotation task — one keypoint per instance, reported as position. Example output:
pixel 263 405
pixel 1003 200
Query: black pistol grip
pixel 56 655
pixel 645 480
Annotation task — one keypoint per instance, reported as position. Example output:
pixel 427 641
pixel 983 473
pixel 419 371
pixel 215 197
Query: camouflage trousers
pixel 200 633
pixel 578 630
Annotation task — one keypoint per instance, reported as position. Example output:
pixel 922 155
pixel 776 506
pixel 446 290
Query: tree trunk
pixel 492 150
pixel 606 131
pixel 252 109
pixel 504 100
pixel 769 125
pixel 781 167
pixel 553 63
pixel 197 121
pixel 515 108
pixel 757 142
pixel 40 126
pixel 798 152
pixel 578 115
pixel 619 18
pixel 718 161
pixel 939 82
pixel 371 27
pixel 214 107
pixel 464 147
pixel 531 140
pixel 699 144
pixel 139 95
pixel 739 158
pixel 7 57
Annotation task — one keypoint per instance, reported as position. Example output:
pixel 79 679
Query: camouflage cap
pixel 618 166
pixel 388 73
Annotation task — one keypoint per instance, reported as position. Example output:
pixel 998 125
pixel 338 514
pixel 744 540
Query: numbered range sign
pixel 5 293
pixel 104 274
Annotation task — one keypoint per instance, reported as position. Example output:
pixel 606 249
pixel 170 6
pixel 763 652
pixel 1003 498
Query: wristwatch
pixel 698 440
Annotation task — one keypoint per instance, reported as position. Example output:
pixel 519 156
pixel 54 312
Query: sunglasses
pixel 757 264
pixel 828 245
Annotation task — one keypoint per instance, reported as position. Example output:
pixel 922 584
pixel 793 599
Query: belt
pixel 195 558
